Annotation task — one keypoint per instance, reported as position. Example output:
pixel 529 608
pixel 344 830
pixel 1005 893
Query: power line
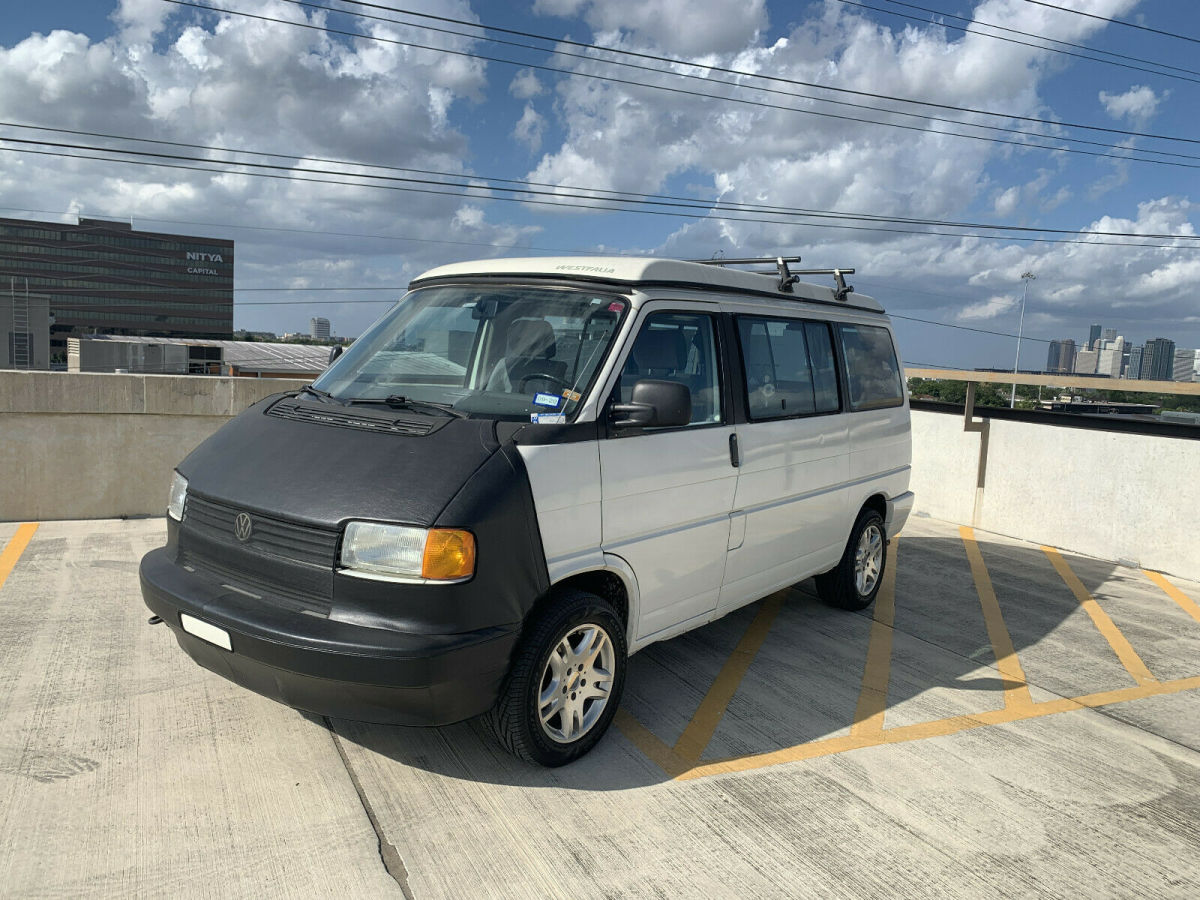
pixel 352 234
pixel 756 75
pixel 1078 12
pixel 576 205
pixel 586 192
pixel 676 90
pixel 1043 37
pixel 710 81
pixel 996 37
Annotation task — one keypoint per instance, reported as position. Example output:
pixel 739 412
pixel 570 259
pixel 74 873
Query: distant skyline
pixel 556 123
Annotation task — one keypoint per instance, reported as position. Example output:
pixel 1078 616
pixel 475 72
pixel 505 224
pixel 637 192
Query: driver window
pixel 677 347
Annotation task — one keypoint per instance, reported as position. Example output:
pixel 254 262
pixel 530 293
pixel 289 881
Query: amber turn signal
pixel 449 554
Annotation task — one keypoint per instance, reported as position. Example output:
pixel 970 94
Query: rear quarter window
pixel 872 373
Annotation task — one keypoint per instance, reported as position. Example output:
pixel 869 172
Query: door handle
pixel 735 453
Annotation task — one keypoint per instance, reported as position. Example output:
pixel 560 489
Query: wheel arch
pixel 613 580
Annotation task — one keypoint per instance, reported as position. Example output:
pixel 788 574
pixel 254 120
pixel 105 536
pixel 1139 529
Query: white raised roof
pixel 647 270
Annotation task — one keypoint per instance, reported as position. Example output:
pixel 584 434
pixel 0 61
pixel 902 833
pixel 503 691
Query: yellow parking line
pixel 1129 659
pixel 14 549
pixel 1186 603
pixel 938 728
pixel 653 747
pixel 704 722
pixel 872 697
pixel 1016 690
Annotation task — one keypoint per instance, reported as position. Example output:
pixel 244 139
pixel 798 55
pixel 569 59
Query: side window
pixel 824 366
pixel 678 347
pixel 789 367
pixel 872 373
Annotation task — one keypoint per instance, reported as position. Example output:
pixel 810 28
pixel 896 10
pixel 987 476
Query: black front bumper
pixel 328 667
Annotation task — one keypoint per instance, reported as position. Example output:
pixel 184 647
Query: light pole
pixel 1026 277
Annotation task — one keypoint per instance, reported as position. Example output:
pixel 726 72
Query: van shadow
pixel 806 677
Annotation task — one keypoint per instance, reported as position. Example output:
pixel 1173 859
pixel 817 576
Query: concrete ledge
pixel 104 394
pixel 84 446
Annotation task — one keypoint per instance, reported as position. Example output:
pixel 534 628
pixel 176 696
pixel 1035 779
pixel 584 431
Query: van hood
pixel 322 464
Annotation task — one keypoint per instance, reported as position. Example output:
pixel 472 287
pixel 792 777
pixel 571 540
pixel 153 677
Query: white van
pixel 528 470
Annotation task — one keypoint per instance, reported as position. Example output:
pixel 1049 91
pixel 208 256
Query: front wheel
pixel 855 581
pixel 565 682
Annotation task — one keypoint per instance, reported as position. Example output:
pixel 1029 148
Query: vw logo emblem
pixel 242 527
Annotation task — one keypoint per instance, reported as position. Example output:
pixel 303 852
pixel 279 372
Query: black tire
pixel 841 586
pixel 516 719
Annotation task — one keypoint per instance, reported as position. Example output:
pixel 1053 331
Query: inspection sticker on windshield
pixel 573 396
pixel 550 400
pixel 547 418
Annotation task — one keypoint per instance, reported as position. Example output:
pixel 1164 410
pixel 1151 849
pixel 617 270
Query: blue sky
pixel 151 69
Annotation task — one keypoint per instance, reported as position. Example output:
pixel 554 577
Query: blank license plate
pixel 206 632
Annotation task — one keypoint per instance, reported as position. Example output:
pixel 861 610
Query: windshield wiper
pixel 317 392
pixel 399 401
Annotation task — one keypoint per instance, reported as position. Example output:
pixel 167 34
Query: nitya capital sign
pixel 196 256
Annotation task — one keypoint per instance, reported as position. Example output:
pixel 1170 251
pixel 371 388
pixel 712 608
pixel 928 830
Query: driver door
pixel 667 492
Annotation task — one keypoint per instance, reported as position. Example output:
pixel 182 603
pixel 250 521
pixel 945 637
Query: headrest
pixel 660 350
pixel 531 338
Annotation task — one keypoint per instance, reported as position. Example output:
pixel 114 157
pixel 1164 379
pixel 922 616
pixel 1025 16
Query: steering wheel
pixel 544 376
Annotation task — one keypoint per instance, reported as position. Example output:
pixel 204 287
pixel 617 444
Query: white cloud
pixel 525 85
pixel 988 309
pixel 1006 202
pixel 529 128
pixel 1138 104
pixel 682 27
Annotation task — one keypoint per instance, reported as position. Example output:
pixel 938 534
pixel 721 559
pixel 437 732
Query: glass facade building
pixel 103 277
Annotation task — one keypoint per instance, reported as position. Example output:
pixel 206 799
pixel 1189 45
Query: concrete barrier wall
pixel 1131 498
pixel 84 446
pixel 78 446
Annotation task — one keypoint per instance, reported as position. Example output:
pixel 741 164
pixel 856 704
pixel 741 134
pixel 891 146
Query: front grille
pixel 311 602
pixel 386 424
pixel 283 563
pixel 269 536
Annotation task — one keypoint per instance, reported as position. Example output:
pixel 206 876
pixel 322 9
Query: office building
pixel 1061 357
pixel 1158 360
pixel 318 329
pixel 1133 364
pixel 1112 353
pixel 105 277
pixel 1185 365
pixel 1109 334
pixel 1093 336
pixel 1086 361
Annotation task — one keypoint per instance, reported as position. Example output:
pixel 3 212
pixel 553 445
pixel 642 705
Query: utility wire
pixel 997 37
pixel 586 192
pixel 1043 37
pixel 733 84
pixel 742 73
pixel 1079 12
pixel 677 90
pixel 640 211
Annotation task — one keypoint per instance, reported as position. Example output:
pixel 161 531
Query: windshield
pixel 510 352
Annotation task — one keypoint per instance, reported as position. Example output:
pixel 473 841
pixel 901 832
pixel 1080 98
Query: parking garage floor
pixel 1007 720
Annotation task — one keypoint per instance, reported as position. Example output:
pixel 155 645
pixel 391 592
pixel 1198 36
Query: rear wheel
pixel 565 682
pixel 855 581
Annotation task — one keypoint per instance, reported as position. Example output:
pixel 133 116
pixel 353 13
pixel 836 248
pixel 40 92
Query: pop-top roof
pixel 648 272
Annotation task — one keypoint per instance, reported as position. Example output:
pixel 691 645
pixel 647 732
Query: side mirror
pixel 335 352
pixel 655 404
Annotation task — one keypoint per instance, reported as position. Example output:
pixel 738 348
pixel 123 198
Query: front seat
pixel 529 352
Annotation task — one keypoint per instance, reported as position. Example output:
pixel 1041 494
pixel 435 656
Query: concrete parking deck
pixel 1008 720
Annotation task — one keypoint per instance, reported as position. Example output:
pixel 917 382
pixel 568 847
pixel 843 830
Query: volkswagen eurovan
pixel 528 470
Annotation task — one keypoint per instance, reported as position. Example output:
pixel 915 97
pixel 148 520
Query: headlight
pixel 441 554
pixel 177 496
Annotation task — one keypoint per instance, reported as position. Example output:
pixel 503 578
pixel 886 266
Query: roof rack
pixel 788 277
